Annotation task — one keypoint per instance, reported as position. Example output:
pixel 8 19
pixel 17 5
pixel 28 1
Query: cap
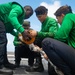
pixel 26 23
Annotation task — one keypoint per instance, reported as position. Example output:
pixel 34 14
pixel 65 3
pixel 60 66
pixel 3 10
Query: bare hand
pixel 26 34
pixel 45 56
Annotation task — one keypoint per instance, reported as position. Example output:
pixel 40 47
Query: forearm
pixel 45 34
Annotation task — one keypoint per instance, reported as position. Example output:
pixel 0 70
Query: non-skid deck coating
pixel 24 64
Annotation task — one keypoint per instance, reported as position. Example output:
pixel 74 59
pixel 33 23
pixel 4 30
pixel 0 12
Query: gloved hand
pixel 20 43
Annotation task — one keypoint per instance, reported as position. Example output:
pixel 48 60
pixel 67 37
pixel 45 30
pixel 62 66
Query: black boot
pixel 10 65
pixel 5 71
pixel 30 68
pixel 7 64
pixel 17 64
pixel 38 64
pixel 37 67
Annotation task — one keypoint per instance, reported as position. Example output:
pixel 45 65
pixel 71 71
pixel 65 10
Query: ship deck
pixel 24 64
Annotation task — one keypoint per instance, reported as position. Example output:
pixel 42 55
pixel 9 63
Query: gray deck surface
pixel 24 64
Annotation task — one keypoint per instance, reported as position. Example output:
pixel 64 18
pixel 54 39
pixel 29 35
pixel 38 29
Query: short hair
pixel 41 10
pixel 29 8
pixel 63 9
